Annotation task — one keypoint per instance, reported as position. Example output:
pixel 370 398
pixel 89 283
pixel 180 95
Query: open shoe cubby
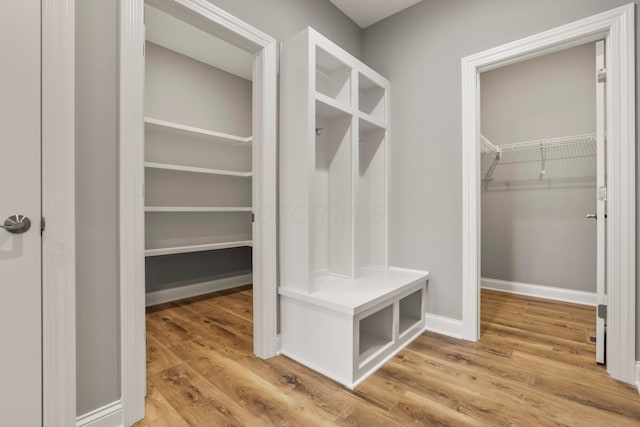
pixel 344 310
pixel 346 336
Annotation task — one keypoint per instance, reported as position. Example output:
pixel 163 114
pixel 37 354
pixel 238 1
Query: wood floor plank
pixel 159 357
pixel 533 366
pixel 159 412
pixel 425 411
pixel 198 401
pixel 253 393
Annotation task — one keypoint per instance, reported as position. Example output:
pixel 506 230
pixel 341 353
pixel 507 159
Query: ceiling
pixel 368 12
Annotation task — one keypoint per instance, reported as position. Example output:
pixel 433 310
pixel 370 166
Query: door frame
pixel 131 185
pixel 617 28
pixel 58 207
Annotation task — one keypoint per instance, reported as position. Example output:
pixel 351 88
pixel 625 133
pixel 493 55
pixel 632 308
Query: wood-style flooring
pixel 533 366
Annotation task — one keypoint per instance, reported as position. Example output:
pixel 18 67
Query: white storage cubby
pixel 198 148
pixel 342 306
pixel 375 333
pixel 372 98
pixel 333 77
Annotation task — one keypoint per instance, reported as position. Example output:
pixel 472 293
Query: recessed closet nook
pixel 540 182
pixel 343 311
pixel 198 161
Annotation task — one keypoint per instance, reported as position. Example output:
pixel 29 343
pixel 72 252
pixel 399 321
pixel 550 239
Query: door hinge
pixel 602 193
pixel 253 217
pixel 42 225
pixel 602 311
pixel 602 75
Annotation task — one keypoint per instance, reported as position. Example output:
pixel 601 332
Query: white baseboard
pixel 547 292
pixel 108 416
pixel 443 325
pixel 188 291
pixel 638 376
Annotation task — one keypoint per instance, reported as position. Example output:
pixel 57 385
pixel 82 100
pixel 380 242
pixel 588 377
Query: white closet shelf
pixel 197 248
pixel 172 167
pixel 329 108
pixel 196 209
pixel 369 123
pixel 163 124
pixel 350 296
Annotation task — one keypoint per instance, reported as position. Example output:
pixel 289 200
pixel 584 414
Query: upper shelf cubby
pixel 333 77
pixel 371 98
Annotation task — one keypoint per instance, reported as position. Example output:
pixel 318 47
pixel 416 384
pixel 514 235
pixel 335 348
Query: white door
pixel 601 207
pixel 20 253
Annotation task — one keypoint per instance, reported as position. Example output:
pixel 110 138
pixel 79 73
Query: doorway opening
pixel 616 27
pixel 198 123
pixel 542 154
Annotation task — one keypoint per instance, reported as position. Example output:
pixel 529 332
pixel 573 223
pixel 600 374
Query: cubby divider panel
pixel 411 311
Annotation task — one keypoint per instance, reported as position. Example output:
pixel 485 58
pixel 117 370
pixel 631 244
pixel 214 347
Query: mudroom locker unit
pixel 198 161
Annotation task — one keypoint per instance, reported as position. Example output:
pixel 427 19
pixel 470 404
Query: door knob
pixel 593 216
pixel 17 224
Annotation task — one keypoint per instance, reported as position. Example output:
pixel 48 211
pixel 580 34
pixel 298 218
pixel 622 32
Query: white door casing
pixel 601 186
pixel 20 254
pixel 616 26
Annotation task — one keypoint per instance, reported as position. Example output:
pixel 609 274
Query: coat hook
pixel 319 131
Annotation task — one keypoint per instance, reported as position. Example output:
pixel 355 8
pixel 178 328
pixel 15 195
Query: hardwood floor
pixel 534 366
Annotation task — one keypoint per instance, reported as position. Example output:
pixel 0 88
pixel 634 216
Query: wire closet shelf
pixel 574 150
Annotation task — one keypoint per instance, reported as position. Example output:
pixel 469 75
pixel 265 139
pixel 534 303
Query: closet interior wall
pixel 187 92
pixel 534 229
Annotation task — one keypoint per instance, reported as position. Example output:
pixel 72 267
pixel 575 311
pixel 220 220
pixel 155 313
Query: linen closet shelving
pixel 198 178
pixel 344 311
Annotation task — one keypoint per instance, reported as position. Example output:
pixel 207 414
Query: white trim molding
pixel 108 416
pixel 196 289
pixel 616 27
pixel 131 165
pixel 443 325
pixel 58 207
pixel 131 212
pixel 637 384
pixel 540 291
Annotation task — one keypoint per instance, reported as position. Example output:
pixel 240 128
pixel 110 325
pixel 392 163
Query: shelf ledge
pixel 197 248
pixel 199 131
pixel 196 209
pixel 180 168
pixel 329 108
pixel 368 122
pixel 353 296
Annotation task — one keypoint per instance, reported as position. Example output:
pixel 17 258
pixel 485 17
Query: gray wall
pixel 96 205
pixel 282 19
pixel 96 31
pixel 419 50
pixel 535 231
